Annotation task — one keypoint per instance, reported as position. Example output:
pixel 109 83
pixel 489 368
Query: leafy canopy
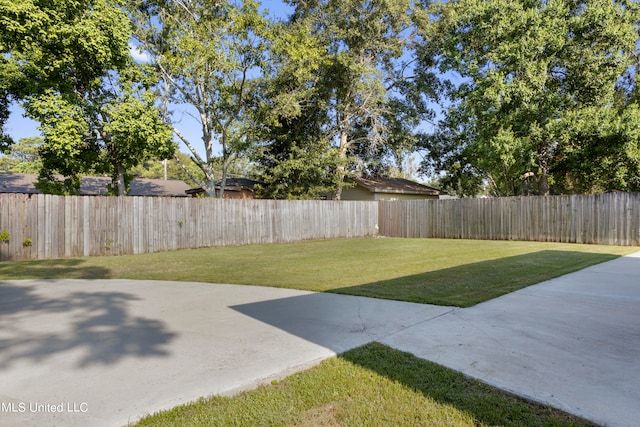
pixel 526 71
pixel 344 94
pixel 70 62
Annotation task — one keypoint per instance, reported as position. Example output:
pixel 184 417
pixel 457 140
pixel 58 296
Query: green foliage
pixel 599 150
pixel 360 62
pixel 295 160
pixel 61 44
pixel 526 71
pixel 5 139
pixel 133 130
pixel 71 62
pixel 23 156
pixel 69 146
pixel 109 130
pixel 537 96
pixel 27 242
pixel 179 166
pixel 293 172
pixel 4 236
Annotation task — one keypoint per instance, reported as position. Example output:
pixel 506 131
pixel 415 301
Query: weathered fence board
pixel 610 219
pixel 46 226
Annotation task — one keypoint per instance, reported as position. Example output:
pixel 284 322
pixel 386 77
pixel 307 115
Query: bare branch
pixel 189 146
pixel 188 172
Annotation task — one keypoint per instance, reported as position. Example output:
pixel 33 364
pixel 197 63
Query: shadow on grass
pixel 52 269
pixel 487 405
pixel 43 320
pixel 470 284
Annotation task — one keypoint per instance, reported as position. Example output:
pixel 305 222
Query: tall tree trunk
pixel 223 183
pixel 543 184
pixel 543 164
pixel 341 170
pixel 225 164
pixel 122 188
pixel 209 184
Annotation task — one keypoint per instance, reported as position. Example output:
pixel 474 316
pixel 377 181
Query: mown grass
pixel 373 385
pixel 445 272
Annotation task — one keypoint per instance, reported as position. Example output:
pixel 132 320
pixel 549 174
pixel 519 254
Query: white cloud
pixel 137 54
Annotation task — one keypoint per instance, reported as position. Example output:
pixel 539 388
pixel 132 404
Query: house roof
pixel 396 186
pixel 238 183
pixel 97 186
pixel 232 184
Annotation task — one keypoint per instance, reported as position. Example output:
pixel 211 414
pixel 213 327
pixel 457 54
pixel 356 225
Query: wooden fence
pixel 610 219
pixel 47 226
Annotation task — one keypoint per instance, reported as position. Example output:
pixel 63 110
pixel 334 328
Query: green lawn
pixel 446 272
pixel 373 385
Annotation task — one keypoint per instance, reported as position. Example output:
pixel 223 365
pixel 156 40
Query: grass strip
pixel 444 272
pixel 373 385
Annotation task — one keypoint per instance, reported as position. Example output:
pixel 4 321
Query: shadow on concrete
pixel 338 322
pixel 97 327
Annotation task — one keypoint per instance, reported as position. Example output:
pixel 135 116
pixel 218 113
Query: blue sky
pixel 20 127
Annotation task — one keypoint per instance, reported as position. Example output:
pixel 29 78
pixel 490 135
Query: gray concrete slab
pixel 572 342
pixel 107 352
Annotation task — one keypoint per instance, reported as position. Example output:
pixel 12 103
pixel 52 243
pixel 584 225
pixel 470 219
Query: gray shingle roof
pixel 396 185
pixel 97 186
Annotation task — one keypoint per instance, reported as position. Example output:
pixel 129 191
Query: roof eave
pixel 413 193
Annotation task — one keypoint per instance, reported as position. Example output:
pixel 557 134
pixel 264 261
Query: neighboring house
pixel 389 189
pixel 97 186
pixel 235 188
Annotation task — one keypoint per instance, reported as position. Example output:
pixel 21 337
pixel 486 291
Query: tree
pixel 179 166
pixel 294 158
pixel 297 170
pixel 23 157
pixel 361 70
pixel 62 44
pixel 5 139
pixel 527 69
pixel 79 81
pixel 209 55
pixel 599 150
pixel 108 129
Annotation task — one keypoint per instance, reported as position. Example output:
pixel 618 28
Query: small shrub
pixel 27 242
pixel 4 236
